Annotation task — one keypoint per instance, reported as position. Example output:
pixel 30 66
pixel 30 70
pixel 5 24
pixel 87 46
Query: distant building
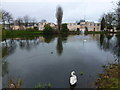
pixel 43 21
pixel 83 25
pixel 22 26
pixel 93 26
pixel 72 26
pixel 16 27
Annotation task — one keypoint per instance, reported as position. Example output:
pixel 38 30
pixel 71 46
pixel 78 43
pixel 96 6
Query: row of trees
pixel 111 19
pixel 7 19
pixel 49 30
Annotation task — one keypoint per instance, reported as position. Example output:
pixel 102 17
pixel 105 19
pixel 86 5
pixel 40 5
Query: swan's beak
pixel 74 73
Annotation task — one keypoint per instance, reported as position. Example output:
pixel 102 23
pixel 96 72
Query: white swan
pixel 85 40
pixel 73 78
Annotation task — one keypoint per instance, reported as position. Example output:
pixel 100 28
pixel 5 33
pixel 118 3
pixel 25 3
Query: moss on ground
pixel 110 78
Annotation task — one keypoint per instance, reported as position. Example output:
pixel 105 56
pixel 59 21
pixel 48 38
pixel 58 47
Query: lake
pixel 51 59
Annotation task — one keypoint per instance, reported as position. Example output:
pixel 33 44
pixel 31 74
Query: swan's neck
pixel 73 75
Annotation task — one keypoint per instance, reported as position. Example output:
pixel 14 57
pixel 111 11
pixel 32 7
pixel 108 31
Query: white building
pixel 82 25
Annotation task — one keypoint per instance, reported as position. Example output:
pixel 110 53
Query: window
pixel 90 24
pixel 97 24
pixel 81 24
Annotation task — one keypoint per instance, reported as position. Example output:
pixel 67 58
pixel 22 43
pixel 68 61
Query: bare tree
pixel 26 20
pixel 108 20
pixel 33 21
pixel 6 18
pixel 10 20
pixel 118 15
pixel 43 20
pixel 59 15
pixel 19 22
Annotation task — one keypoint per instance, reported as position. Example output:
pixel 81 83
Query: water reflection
pixel 60 40
pixel 4 68
pixel 45 65
pixel 8 47
pixel 110 43
pixel 59 45
pixel 28 44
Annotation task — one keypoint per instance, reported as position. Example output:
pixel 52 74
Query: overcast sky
pixel 73 10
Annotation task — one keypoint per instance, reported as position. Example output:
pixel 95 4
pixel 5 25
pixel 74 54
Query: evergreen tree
pixel 103 23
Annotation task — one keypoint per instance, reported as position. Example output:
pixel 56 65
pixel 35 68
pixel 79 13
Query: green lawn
pixel 100 32
pixel 19 32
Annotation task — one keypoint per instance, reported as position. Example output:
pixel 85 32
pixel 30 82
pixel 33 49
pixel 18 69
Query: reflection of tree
pixel 8 47
pixel 118 46
pixel 59 45
pixel 104 42
pixel 49 38
pixel 4 51
pixel 60 40
pixel 64 37
pixel 101 39
pixel 110 43
pixel 28 46
pixel 4 67
pixel 28 43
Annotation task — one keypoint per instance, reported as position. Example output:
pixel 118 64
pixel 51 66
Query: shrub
pixel 48 29
pixel 64 28
pixel 30 29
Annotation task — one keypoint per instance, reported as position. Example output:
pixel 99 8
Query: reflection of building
pixel 41 39
pixel 83 25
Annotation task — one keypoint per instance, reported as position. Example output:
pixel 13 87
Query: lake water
pixel 50 59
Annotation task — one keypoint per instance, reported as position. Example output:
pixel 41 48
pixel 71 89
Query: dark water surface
pixel 50 59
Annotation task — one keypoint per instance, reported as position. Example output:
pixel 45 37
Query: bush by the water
pixel 32 29
pixel 48 29
pixel 64 28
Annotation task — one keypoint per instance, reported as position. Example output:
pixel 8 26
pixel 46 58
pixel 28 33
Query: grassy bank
pixel 110 78
pixel 101 32
pixel 23 33
pixel 19 33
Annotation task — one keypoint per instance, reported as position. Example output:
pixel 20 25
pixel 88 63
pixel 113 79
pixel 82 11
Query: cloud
pixel 45 9
pixel 58 0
